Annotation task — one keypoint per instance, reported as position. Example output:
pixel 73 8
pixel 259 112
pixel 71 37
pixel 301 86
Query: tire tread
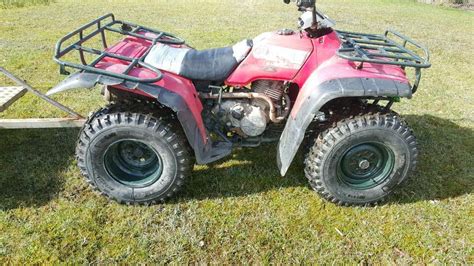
pixel 123 114
pixel 375 116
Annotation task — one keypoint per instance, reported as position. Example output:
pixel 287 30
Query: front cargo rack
pixel 381 49
pixel 108 23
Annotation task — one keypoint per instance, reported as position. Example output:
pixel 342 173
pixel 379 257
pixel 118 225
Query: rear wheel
pixel 132 157
pixel 360 160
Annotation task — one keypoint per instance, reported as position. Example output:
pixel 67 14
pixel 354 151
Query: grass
pixel 6 4
pixel 239 210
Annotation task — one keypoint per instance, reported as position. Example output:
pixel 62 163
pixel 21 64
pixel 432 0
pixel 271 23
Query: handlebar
pixel 302 4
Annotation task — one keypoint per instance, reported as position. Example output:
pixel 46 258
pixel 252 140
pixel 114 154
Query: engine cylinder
pixel 272 89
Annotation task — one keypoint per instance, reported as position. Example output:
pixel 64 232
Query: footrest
pixel 9 95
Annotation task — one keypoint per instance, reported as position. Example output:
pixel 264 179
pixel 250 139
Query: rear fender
pixel 81 80
pixel 179 95
pixel 317 91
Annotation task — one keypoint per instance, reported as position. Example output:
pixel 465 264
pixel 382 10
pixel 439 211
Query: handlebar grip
pixel 305 3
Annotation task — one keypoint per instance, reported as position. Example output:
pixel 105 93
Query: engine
pixel 247 113
pixel 244 118
pixel 272 89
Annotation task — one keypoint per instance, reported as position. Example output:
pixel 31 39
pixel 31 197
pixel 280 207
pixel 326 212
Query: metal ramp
pixel 8 95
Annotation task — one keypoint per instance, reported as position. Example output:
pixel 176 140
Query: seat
pixel 210 65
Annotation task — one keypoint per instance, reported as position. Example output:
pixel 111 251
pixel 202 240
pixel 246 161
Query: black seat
pixel 211 64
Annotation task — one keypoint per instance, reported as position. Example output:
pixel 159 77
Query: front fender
pixel 314 95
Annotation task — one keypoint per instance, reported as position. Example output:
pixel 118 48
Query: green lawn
pixel 240 209
pixel 5 4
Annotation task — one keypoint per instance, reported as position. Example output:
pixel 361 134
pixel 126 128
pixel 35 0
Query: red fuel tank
pixel 273 56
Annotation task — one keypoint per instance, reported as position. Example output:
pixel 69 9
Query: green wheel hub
pixel 365 165
pixel 133 163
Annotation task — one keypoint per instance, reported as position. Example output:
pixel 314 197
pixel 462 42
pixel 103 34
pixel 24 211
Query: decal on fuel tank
pixel 280 57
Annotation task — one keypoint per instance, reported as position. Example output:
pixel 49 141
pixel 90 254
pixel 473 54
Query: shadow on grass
pixel 445 168
pixel 32 165
pixel 249 171
pixel 446 162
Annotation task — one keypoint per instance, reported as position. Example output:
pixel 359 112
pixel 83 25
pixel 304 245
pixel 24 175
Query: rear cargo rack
pixel 101 26
pixel 380 49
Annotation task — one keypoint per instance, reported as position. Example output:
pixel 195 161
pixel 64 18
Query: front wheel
pixel 132 157
pixel 361 159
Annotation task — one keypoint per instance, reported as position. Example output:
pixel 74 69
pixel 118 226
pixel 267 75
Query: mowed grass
pixel 5 4
pixel 238 210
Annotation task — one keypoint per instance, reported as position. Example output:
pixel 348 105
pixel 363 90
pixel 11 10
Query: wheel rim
pixel 366 165
pixel 133 163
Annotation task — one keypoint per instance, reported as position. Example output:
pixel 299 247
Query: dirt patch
pixel 461 4
pixel 469 6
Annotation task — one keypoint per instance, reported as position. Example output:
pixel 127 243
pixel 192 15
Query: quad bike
pixel 172 106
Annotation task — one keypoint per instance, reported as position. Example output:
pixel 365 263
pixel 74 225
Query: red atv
pixel 171 106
